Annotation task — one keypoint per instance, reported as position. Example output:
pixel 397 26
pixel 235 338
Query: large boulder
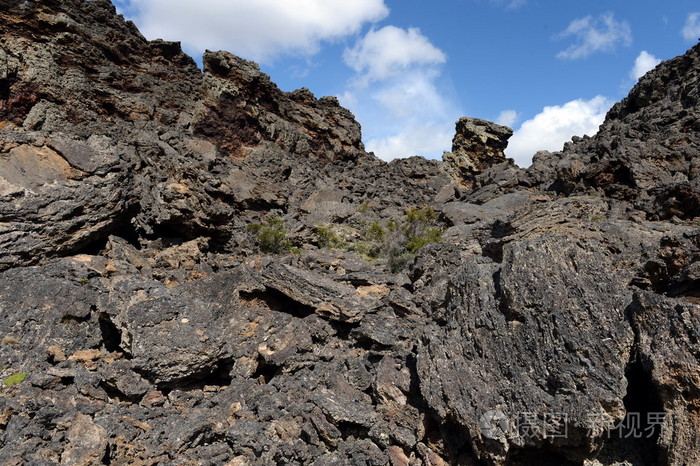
pixel 477 145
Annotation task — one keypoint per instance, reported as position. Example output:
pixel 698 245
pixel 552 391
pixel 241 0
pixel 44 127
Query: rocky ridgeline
pixel 198 268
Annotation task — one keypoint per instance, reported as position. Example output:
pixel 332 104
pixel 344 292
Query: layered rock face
pixel 198 268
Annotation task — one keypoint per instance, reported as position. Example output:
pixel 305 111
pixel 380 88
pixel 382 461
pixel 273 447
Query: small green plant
pixel 374 232
pixel 418 228
pixel 15 379
pixel 398 258
pixel 364 208
pixel 397 239
pixel 425 214
pixel 271 236
pixel 427 236
pixel 325 237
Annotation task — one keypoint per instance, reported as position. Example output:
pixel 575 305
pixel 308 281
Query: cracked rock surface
pixel 198 268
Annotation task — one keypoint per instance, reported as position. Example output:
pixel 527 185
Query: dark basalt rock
pixel 646 150
pixel 139 321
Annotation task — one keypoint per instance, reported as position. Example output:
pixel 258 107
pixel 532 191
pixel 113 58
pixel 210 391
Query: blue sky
pixel 408 69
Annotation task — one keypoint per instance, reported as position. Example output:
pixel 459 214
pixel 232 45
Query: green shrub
pixel 398 258
pixel 418 228
pixel 374 232
pixel 15 379
pixel 271 236
pixel 325 236
pixel 397 240
pixel 422 215
pixel 421 227
pixel 429 235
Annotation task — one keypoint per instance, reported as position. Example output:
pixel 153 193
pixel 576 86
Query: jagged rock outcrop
pixel 164 148
pixel 197 267
pixel 243 109
pixel 646 150
pixel 477 145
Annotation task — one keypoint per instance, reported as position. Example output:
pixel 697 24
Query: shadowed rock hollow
pixel 198 268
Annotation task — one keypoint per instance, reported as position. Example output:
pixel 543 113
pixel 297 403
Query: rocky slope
pixel 198 268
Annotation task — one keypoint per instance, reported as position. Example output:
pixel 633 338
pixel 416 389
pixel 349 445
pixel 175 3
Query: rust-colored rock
pixel 477 145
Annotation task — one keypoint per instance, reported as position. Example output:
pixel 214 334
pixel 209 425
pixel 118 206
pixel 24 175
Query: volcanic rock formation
pixel 198 268
pixel 477 145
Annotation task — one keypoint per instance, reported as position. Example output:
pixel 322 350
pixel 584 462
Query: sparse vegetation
pixel 327 238
pixel 374 232
pixel 271 236
pixel 421 227
pixel 15 379
pixel 418 228
pixel 396 240
pixel 364 208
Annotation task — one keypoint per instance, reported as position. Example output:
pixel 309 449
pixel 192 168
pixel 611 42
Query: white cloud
pixel 397 95
pixel 390 50
pixel 398 92
pixel 602 34
pixel 421 139
pixel 555 125
pixel 509 4
pixel 507 118
pixel 404 116
pixel 413 93
pixel 644 62
pixel 691 30
pixel 255 29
